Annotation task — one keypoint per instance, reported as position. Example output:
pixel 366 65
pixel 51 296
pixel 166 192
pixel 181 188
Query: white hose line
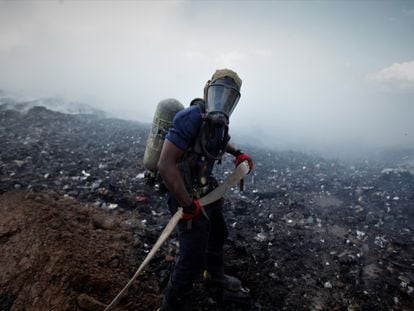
pixel 213 196
pixel 164 235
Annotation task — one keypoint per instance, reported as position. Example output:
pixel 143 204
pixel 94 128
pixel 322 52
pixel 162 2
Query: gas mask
pixel 222 96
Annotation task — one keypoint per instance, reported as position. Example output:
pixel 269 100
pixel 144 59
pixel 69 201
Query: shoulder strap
pixel 200 143
pixel 200 103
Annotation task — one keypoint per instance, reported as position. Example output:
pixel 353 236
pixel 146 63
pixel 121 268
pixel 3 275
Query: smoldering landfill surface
pixel 308 233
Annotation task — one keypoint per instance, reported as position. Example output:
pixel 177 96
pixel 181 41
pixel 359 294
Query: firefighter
pixel 196 141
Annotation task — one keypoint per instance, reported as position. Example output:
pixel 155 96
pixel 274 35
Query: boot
pixel 225 288
pixel 223 281
pixel 174 300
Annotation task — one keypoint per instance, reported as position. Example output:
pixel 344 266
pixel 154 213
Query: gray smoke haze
pixel 321 76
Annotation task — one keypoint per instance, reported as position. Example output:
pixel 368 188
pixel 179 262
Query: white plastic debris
pixel 360 234
pixel 380 241
pixel 85 173
pixel 260 237
pixel 398 170
pixel 327 285
pixel 19 163
pixel 358 209
pixel 396 198
pixel 96 184
pixel 112 206
pixel 140 175
pixel 403 278
pixel 319 221
pixel 154 213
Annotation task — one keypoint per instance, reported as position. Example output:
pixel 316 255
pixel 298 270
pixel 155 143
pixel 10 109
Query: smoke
pixel 313 78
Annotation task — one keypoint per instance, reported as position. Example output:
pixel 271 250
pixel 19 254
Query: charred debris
pixel 307 233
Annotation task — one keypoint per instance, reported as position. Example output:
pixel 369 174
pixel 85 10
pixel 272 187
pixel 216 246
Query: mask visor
pixel 222 98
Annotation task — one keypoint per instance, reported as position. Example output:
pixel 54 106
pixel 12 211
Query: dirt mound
pixel 58 254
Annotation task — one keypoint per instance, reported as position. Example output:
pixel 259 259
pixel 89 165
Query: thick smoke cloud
pixel 313 77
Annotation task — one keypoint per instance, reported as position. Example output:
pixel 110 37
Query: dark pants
pixel 201 245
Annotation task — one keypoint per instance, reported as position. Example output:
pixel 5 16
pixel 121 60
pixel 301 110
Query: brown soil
pixel 59 254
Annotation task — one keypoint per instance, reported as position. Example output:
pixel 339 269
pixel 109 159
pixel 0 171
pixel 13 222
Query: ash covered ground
pixel 308 233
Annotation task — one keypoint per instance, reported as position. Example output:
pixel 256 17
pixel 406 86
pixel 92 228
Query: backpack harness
pixel 196 159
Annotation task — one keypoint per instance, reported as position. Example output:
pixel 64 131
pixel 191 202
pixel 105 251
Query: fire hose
pixel 230 181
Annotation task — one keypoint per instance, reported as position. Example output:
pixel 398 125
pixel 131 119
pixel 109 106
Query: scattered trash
pixel 140 175
pixel 260 237
pixel 360 235
pixel 112 206
pixel 380 241
pixel 327 284
pixel 294 200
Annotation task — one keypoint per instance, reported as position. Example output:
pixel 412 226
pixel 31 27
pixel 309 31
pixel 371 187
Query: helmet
pixel 223 93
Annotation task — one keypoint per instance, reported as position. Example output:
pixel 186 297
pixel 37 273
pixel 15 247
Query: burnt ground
pixel 308 233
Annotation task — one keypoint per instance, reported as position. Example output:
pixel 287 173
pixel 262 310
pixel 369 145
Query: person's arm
pixel 233 151
pixel 240 156
pixel 167 166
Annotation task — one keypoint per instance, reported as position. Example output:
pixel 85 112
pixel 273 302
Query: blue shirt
pixel 185 129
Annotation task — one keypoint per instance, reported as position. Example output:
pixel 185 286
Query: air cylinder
pixel 163 117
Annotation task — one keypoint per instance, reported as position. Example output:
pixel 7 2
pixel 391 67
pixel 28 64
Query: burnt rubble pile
pixel 332 235
pixel 306 233
pixel 83 156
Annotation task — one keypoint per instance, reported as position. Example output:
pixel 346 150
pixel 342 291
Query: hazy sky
pixel 315 73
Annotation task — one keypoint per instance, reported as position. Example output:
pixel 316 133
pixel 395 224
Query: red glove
pixel 192 211
pixel 241 157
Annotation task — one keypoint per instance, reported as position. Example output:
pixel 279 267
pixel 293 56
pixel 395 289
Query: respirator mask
pixel 222 96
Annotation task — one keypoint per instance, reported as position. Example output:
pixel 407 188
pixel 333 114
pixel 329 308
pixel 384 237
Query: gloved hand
pixel 192 211
pixel 241 157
